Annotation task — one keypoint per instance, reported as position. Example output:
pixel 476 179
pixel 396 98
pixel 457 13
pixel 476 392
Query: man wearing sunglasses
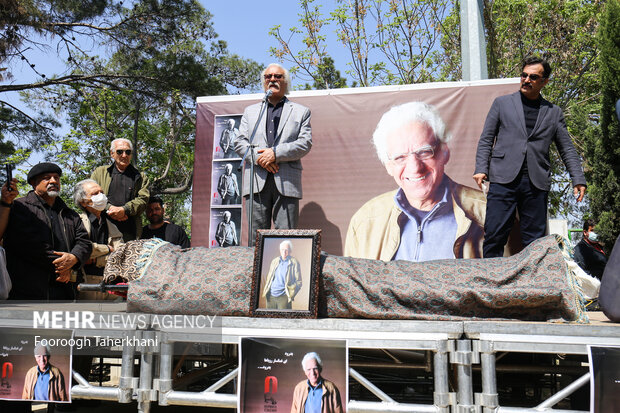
pixel 513 154
pixel 283 137
pixel 126 188
pixel 430 217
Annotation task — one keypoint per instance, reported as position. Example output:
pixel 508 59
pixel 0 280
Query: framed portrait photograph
pixel 285 280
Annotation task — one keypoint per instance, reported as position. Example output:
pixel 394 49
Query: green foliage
pixel 603 144
pixel 564 32
pixel 156 57
pixel 389 42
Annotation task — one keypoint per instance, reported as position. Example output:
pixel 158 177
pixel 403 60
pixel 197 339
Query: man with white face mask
pixel 104 235
pixel 589 253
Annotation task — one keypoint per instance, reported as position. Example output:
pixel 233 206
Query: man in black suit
pixel 513 154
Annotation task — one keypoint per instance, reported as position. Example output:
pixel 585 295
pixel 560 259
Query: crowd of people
pixel 50 248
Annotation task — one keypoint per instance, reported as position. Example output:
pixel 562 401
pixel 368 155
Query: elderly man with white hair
pixel 430 216
pixel 126 188
pixel 103 234
pixel 44 381
pixel 283 280
pixel 316 394
pixel 283 137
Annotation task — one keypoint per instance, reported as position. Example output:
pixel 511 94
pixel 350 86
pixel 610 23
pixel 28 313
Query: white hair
pixel 117 140
pixel 309 356
pixel 401 115
pixel 227 214
pixel 287 242
pixel 287 76
pixel 79 193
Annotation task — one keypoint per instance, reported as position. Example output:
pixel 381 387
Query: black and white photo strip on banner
pixel 36 364
pixel 292 375
pixel 225 134
pixel 225 227
pixel 226 184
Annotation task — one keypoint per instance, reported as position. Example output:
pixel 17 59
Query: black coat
pixel 590 259
pixel 28 241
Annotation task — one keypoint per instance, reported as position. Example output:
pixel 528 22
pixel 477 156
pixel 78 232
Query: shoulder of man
pixel 378 206
pixel 329 385
pixel 297 106
pixel 471 201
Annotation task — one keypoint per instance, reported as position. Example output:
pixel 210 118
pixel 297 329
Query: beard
pixel 53 193
pixel 156 219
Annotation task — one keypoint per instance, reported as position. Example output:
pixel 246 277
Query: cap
pixel 41 168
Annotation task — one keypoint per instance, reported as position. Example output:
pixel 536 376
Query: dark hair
pixel 534 60
pixel 588 223
pixel 156 199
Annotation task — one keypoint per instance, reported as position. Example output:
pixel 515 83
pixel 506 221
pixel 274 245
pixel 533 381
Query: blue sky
pixel 245 26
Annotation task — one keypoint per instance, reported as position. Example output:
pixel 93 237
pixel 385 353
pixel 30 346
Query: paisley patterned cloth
pixel 532 285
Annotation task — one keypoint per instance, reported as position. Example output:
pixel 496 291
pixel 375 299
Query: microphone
pixel 268 93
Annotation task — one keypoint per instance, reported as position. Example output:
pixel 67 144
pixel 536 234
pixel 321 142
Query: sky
pixel 245 26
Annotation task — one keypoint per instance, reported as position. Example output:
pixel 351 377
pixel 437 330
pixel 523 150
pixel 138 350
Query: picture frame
pixel 295 296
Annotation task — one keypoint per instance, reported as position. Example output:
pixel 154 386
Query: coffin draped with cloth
pixel 532 285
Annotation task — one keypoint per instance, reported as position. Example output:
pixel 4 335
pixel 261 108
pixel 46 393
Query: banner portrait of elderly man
pixel 430 216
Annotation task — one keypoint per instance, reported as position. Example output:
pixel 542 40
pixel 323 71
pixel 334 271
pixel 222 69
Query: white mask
pixel 593 236
pixel 99 201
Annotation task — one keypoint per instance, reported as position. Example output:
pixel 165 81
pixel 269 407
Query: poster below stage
pixel 604 379
pixel 24 352
pixel 272 379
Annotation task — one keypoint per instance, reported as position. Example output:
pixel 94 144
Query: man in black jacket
pixel 588 252
pixel 45 240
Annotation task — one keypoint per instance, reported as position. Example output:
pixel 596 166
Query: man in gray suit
pixel 283 137
pixel 513 154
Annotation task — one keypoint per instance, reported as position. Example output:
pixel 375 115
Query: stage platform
pixel 462 360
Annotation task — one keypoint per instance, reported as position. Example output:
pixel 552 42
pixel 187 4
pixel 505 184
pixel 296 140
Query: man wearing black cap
pixel 45 240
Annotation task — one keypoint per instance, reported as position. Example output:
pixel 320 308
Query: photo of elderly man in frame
pixel 284 280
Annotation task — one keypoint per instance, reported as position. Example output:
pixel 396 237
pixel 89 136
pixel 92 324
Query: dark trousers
pixel 503 200
pixel 271 204
pixel 229 200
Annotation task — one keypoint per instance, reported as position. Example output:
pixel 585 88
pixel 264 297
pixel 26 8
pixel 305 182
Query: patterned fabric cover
pixel 532 285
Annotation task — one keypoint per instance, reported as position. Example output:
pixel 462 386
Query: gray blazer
pixel 293 141
pixel 504 143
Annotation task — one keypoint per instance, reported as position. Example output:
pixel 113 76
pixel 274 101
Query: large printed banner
pixel 342 171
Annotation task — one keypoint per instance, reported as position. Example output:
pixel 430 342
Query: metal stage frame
pixel 457 349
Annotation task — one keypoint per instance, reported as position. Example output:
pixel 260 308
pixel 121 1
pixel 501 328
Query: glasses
pixel 424 153
pixel 532 77
pixel 277 76
pixel 127 152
